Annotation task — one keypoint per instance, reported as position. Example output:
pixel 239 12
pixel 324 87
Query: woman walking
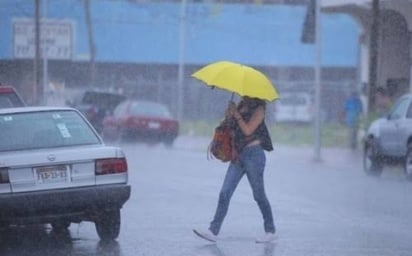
pixel 251 139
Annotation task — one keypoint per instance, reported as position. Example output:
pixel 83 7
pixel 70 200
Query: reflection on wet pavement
pixel 41 240
pixel 34 240
pixel 268 249
pixel 109 248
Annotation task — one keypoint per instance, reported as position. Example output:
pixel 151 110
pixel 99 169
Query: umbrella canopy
pixel 237 78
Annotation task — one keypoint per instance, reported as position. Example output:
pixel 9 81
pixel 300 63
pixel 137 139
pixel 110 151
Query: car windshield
pixel 44 129
pixel 152 109
pixel 9 100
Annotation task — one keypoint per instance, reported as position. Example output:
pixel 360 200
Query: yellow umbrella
pixel 237 78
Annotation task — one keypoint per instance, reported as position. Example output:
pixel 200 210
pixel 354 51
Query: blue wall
pixel 149 32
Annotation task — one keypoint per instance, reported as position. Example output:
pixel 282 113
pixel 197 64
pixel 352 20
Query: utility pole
pixel 311 34
pixel 318 87
pixel 45 60
pixel 92 48
pixel 373 55
pixel 37 87
pixel 180 82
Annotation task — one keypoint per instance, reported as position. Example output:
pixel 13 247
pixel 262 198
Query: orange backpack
pixel 222 145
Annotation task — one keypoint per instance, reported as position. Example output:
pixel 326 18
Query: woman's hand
pixel 230 110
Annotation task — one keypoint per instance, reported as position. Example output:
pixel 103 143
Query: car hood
pixel 374 126
pixel 378 121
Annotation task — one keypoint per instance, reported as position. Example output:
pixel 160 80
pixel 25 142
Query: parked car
pixel 9 97
pixel 54 168
pixel 389 139
pixel 96 104
pixel 146 121
pixel 294 107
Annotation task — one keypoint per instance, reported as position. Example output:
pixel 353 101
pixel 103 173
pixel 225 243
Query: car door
pixel 112 123
pixel 390 131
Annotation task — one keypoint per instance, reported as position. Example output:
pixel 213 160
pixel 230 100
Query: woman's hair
pixel 252 103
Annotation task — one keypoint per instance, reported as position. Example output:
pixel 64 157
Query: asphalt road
pixel 321 208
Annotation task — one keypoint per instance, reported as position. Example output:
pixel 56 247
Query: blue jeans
pixel 353 136
pixel 251 162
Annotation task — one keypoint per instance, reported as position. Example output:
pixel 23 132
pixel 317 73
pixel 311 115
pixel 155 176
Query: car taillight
pixel 4 175
pixel 110 166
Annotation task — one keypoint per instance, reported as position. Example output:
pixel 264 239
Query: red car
pixel 95 104
pixel 9 97
pixel 145 121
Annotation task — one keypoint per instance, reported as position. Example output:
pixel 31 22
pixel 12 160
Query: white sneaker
pixel 266 238
pixel 206 234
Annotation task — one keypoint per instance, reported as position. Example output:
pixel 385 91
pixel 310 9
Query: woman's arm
pixel 249 127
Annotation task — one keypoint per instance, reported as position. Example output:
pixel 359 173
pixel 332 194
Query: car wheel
pixel 408 163
pixel 169 142
pixel 372 162
pixel 108 224
pixel 60 225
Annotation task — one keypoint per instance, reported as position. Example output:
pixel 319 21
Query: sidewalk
pixel 335 158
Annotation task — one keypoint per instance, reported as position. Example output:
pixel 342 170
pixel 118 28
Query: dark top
pixel 261 133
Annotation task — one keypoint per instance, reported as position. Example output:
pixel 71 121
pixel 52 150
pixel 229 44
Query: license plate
pixel 51 174
pixel 154 125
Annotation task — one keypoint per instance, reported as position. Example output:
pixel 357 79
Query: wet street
pixel 321 208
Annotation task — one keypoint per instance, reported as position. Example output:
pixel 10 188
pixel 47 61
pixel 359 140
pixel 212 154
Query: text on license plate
pixel 154 125
pixel 47 174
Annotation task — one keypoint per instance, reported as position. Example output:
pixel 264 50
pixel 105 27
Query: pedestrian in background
pixel 353 110
pixel 251 139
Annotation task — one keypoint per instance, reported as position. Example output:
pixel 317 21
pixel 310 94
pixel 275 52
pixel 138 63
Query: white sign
pixel 56 39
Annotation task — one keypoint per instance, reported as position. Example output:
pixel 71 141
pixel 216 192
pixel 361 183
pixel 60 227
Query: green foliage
pixel 332 134
pixel 370 118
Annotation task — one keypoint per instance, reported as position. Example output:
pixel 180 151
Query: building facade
pixel 141 47
pixel 394 40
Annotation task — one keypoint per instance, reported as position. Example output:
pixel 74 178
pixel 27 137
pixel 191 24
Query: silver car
pixel 54 168
pixel 389 139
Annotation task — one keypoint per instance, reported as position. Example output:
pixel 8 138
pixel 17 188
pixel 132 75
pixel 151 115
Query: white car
pixel 294 107
pixel 388 140
pixel 54 168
